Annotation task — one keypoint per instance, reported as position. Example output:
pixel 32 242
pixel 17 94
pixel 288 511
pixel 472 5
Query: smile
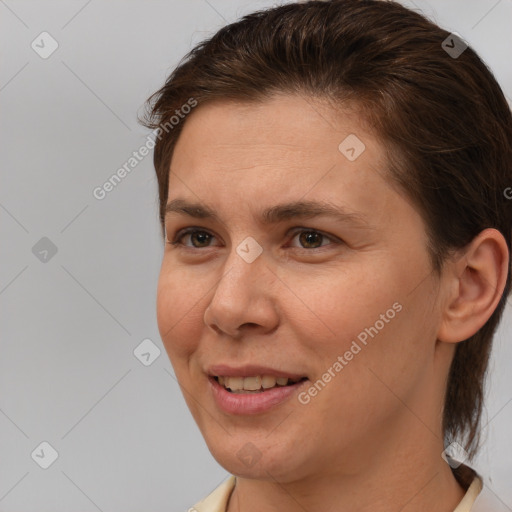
pixel 240 401
pixel 256 384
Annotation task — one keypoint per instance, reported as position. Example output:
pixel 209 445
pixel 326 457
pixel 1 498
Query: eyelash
pixel 187 231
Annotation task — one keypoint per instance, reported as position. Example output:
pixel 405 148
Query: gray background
pixel 68 375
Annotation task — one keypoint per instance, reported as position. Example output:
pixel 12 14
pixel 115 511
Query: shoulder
pixel 217 500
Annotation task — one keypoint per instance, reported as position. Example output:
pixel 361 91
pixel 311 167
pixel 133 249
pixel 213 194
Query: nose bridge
pixel 240 287
pixel 245 263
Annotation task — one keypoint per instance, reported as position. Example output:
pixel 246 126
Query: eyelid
pixel 295 231
pixel 292 232
pixel 187 231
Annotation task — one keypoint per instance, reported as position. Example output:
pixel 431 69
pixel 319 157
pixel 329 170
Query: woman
pixel 332 185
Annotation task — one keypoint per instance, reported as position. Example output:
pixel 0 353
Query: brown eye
pixel 201 236
pixel 198 237
pixel 311 239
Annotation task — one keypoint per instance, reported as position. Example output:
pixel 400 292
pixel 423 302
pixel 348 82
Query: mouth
pixel 263 394
pixel 252 388
pixel 255 384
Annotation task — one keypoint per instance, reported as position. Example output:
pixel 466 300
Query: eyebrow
pixel 274 214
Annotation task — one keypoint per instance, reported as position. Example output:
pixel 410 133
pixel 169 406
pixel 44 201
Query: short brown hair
pixel 442 119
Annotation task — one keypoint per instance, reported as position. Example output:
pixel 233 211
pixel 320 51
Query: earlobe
pixel 476 280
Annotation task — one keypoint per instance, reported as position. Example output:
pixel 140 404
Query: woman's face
pixel 348 302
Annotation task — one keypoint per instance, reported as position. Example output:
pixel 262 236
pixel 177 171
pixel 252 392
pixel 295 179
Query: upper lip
pixel 249 370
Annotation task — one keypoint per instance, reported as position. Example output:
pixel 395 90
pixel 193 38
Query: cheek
pixel 387 346
pixel 370 319
pixel 335 308
pixel 179 314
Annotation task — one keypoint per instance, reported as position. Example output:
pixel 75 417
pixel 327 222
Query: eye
pixel 309 238
pixel 195 234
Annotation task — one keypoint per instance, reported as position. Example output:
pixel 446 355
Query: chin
pixel 245 460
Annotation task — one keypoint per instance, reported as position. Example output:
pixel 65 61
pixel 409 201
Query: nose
pixel 243 300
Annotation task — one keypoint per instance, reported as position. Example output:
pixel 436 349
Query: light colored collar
pixel 218 499
pixel 470 496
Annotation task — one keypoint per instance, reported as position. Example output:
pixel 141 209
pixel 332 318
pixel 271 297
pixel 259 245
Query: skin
pixel 372 438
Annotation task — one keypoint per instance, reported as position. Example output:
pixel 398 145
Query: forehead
pixel 293 121
pixel 279 150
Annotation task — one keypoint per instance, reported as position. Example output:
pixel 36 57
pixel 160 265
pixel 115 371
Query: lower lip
pixel 251 403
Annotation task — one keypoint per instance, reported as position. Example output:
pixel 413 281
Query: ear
pixel 475 281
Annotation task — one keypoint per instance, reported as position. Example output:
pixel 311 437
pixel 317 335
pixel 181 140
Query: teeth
pixel 268 381
pixel 234 383
pixel 253 384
